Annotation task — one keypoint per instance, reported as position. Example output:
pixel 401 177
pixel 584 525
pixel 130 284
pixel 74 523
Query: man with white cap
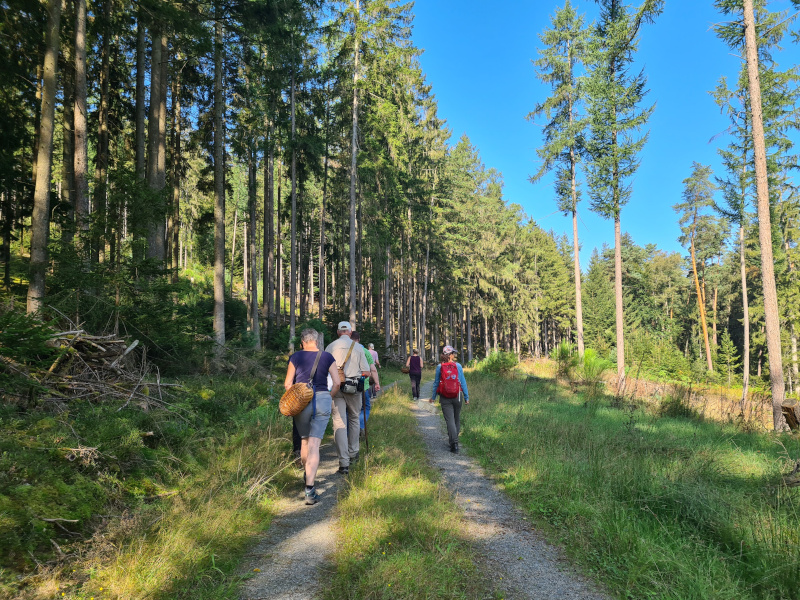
pixel 350 358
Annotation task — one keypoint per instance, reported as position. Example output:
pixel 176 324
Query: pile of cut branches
pixel 99 368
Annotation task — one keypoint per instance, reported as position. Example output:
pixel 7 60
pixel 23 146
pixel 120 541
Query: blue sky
pixel 477 56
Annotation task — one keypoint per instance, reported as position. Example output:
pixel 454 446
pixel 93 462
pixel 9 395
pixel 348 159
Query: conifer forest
pixel 210 175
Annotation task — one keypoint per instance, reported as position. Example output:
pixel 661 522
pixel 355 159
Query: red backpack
pixel 448 381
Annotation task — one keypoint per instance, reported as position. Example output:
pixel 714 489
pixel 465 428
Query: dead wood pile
pixel 100 368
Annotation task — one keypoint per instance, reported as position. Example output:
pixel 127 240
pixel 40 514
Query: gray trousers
pixel 346 408
pixel 451 409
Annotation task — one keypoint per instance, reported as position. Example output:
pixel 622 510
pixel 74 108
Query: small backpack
pixel 448 381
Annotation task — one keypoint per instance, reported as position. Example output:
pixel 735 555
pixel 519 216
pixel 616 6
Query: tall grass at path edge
pixel 399 528
pixel 657 507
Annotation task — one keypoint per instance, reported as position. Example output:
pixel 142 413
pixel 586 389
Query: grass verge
pixel 163 507
pixel 400 529
pixel 668 508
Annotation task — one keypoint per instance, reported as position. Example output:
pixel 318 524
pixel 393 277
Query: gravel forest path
pixel 517 560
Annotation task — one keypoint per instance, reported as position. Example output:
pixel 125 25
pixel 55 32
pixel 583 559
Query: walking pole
pixel 364 411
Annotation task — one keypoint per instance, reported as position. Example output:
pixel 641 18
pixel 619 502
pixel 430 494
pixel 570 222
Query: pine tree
pixel 614 97
pixel 695 222
pixel 565 46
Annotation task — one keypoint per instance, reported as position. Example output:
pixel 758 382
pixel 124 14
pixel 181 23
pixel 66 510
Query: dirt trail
pixel 515 558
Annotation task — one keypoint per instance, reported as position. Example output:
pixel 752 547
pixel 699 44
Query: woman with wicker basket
pixel 312 365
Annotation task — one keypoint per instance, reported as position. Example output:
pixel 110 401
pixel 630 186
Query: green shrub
pixel 566 360
pixel 592 369
pixel 497 363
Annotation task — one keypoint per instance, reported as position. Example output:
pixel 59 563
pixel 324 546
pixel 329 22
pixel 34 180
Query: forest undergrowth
pixel 105 500
pixel 658 506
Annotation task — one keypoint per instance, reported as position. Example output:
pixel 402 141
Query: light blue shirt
pixel 461 381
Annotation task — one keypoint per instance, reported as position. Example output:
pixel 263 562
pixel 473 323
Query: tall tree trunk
pixel 252 196
pixel 576 251
pixel 771 313
pixel 387 309
pixel 81 164
pixel 620 320
pixel 156 248
pixel 40 221
pixel 101 158
pixel 425 299
pixel 68 145
pixel 469 331
pixel 219 187
pixel 701 303
pixel 322 267
pixel 141 59
pixel 269 230
pixel 293 281
pixel 233 240
pixel 279 250
pixel 745 319
pixel 175 218
pixel 353 164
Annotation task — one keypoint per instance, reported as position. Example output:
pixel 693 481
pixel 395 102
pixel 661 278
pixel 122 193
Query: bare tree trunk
pixel 68 149
pixel 40 221
pixel 745 318
pixel 255 325
pixel 469 331
pixel 293 229
pixel 81 164
pixel 101 158
pixel 279 249
pixel 233 241
pixel 322 267
pixel 620 320
pixel 219 187
pixel 353 165
pixel 141 49
pixel 387 310
pixel 175 218
pixel 269 230
pixel 771 313
pixel 425 300
pixel 701 302
pixel 576 251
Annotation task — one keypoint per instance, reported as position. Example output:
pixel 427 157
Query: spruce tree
pixel 614 97
pixel 564 49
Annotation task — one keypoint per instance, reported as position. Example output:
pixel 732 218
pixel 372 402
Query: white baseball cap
pixel 345 325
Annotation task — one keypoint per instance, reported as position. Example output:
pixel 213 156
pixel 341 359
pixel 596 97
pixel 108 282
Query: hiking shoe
pixel 354 458
pixel 312 497
pixel 343 470
pixel 454 448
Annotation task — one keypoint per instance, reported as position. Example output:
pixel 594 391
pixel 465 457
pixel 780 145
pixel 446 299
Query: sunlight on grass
pixel 400 530
pixel 661 507
pixel 187 541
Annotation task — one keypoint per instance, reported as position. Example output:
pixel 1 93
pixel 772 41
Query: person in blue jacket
pixel 451 407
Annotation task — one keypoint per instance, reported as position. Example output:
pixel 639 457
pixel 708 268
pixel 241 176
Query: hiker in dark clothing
pixel 414 364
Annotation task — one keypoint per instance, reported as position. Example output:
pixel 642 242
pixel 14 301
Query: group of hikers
pixel 338 375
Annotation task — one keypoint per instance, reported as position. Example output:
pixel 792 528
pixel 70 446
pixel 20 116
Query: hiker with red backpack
pixel 449 384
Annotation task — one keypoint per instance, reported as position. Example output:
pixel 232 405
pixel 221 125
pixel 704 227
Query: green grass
pixel 658 507
pixel 165 505
pixel 400 530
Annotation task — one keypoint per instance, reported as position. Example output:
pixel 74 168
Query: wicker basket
pixel 405 370
pixel 295 399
